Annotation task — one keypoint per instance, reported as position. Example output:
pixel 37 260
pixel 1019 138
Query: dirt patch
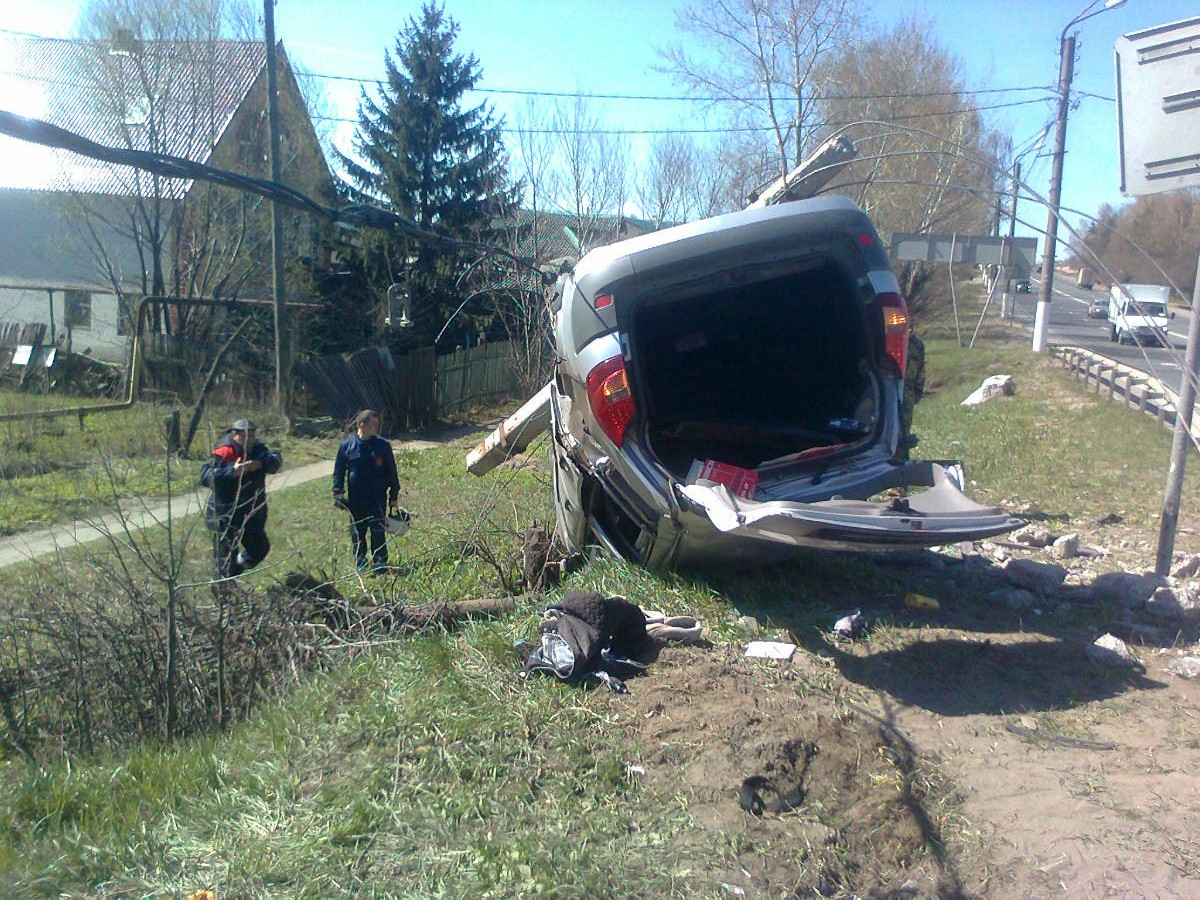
pixel 974 750
pixel 798 792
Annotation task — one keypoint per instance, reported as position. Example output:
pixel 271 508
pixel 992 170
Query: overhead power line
pixel 731 129
pixel 534 92
pixel 361 215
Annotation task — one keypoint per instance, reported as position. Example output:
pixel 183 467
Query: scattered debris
pixel 1111 519
pixel 751 799
pixel 677 629
pixel 749 625
pixel 1013 598
pixel 993 386
pixel 920 601
pixel 1128 590
pixel 1032 536
pixel 1032 575
pixel 1109 650
pixel 770 650
pixel 1186 667
pixel 851 626
pixel 587 636
pixel 1179 603
pixel 1187 565
pixel 1066 546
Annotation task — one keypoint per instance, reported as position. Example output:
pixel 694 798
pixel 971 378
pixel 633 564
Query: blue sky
pixel 612 46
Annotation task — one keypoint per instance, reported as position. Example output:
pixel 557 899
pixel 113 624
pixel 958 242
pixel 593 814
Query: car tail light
pixel 610 399
pixel 895 328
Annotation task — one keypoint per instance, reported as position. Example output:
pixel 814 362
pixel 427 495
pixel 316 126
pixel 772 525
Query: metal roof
pixel 174 97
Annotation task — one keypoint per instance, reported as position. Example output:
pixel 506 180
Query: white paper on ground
pixel 770 650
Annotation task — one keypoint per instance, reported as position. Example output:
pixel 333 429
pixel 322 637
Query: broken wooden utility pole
pixel 810 176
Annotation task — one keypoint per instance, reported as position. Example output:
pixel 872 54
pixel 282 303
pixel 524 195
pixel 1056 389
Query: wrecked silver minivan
pixel 730 390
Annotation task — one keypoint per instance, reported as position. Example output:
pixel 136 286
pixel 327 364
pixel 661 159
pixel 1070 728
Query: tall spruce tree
pixel 433 160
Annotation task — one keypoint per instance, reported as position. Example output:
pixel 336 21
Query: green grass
pixel 421 768
pixel 58 469
pixel 422 772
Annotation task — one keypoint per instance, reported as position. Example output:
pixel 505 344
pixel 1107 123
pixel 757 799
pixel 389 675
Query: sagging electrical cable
pixel 359 215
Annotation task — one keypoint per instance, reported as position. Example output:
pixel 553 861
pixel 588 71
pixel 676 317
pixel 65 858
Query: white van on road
pixel 1138 312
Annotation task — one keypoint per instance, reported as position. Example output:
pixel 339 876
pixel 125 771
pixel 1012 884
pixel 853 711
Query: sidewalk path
pixel 32 544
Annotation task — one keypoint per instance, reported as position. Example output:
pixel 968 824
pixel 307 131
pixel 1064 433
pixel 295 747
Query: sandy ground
pixel 970 751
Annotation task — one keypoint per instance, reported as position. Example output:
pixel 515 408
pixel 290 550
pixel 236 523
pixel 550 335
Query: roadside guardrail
pixel 1124 384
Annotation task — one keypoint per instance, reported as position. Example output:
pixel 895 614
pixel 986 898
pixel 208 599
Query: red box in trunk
pixel 741 482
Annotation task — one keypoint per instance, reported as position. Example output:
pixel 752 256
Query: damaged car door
pixel 731 389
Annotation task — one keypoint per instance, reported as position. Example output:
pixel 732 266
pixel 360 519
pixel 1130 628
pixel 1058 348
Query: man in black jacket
pixel 366 465
pixel 237 509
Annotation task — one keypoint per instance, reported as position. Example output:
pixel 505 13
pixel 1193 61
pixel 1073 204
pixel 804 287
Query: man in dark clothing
pixel 237 508
pixel 365 482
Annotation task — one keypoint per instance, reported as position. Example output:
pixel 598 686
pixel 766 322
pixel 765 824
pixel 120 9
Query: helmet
pixel 397 522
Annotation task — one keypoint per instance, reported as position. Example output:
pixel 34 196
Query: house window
pixel 78 309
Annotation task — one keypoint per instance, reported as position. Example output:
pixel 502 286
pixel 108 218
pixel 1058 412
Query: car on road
pixel 1098 308
pixel 1023 286
pixel 731 390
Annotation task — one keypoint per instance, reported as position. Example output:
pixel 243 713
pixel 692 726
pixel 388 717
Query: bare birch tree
pixel 761 62
pixel 590 176
pixel 662 186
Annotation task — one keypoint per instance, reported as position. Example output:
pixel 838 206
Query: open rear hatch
pixel 751 372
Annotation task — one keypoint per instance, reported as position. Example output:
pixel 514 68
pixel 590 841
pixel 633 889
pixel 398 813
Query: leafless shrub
pixel 80 672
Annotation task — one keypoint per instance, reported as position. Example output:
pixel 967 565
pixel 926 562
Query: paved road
pixel 1070 325
pixel 30 545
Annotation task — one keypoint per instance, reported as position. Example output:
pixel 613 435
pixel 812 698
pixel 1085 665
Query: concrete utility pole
pixel 282 352
pixel 1066 70
pixel 1181 442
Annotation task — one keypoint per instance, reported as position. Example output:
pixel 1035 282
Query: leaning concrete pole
pixel 1183 436
pixel 282 356
pixel 1042 316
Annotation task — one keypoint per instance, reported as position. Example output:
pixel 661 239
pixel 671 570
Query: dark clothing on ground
pixel 236 513
pixel 590 636
pixel 364 473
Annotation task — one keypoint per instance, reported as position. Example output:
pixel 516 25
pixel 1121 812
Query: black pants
pixel 240 545
pixel 364 523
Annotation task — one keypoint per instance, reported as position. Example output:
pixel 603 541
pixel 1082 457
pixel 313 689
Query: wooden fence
pixel 400 387
pixel 476 375
pixel 410 390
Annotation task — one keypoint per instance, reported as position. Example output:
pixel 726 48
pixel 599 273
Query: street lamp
pixel 1066 53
